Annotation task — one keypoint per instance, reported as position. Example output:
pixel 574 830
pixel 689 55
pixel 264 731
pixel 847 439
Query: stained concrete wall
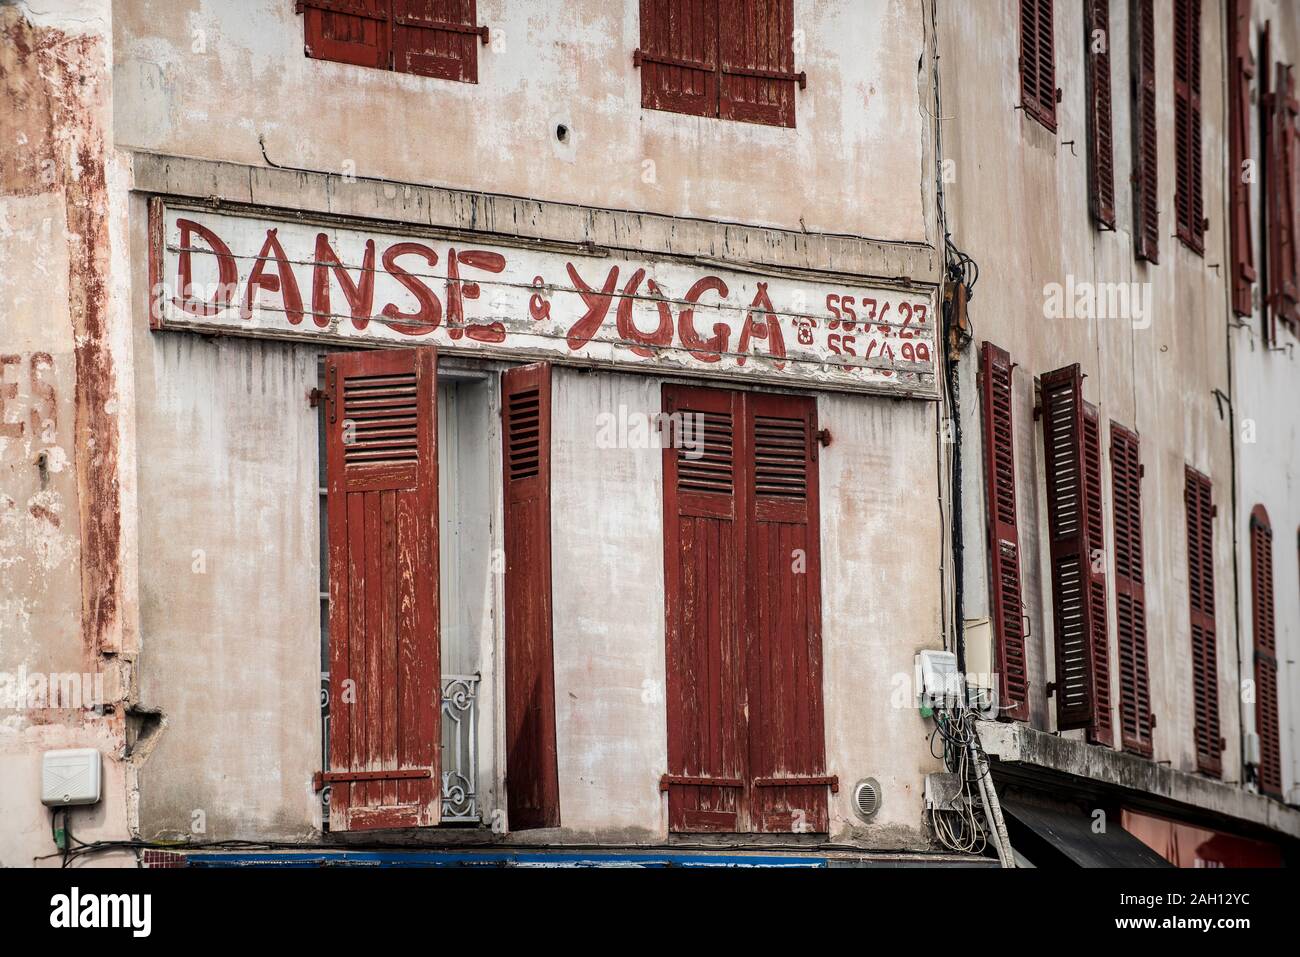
pixel 1019 206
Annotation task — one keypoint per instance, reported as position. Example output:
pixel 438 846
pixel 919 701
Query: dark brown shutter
pixel 1135 718
pixel 787 742
pixel 1146 193
pixel 703 554
pixel 1038 61
pixel 1200 582
pixel 1101 149
pixel 1279 188
pixel 347 31
pixel 1004 538
pixel 532 774
pixel 437 38
pixel 678 56
pixel 1241 69
pixel 1101 730
pixel 1266 703
pixel 756 42
pixel 1188 204
pixel 382 471
pixel 1067 512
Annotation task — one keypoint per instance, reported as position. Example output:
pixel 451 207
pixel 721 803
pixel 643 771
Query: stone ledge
pixel 1020 745
pixel 723 243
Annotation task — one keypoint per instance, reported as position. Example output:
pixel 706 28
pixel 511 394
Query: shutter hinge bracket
pixel 824 437
pixel 315 396
pixel 1050 689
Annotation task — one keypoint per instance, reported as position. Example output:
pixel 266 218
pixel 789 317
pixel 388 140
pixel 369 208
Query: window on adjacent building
pixel 1038 92
pixel 1188 204
pixel 1269 774
pixel 1200 584
pixel 1146 193
pixel 746 736
pixel 1101 148
pixel 437 38
pixel 732 59
pixel 1279 111
pixel 1241 70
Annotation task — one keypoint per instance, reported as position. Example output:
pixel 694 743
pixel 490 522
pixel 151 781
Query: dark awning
pixel 1064 836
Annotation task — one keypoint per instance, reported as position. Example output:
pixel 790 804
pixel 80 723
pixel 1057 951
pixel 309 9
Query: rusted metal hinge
pixel 670 779
pixel 322 778
pixel 830 780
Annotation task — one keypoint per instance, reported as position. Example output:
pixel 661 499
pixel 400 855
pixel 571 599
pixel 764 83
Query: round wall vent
pixel 866 798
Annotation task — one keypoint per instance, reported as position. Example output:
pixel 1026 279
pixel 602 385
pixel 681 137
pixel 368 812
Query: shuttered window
pixel 1146 194
pixel 1265 631
pixel 1188 204
pixel 732 59
pixel 1280 110
pixel 382 473
pixel 1135 718
pixel 1100 731
pixel 1241 70
pixel 1101 148
pixel 1200 583
pixel 1004 537
pixel 532 773
pixel 1073 607
pixel 746 736
pixel 1038 93
pixel 437 38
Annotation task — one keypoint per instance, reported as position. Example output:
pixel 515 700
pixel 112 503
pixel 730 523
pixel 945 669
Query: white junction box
pixel 937 682
pixel 71 777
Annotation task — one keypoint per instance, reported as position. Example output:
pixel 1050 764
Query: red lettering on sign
pixel 459 290
pixel 597 303
pixel 283 282
pixel 227 273
pixel 712 349
pixel 430 313
pixel 360 295
pixel 662 336
pixel 767 326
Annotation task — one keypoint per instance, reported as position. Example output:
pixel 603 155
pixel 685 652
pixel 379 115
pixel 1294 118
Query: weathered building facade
pixel 502 425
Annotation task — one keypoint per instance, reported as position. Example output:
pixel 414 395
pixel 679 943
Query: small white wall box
pixel 70 777
pixel 937 681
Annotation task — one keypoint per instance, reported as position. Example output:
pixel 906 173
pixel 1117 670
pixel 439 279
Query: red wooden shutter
pixel 703 555
pixel 532 774
pixel 1188 203
pixel 1146 194
pixel 347 31
pixel 1101 150
pixel 1004 537
pixel 787 749
pixel 1241 69
pixel 1135 718
pixel 382 471
pixel 1067 512
pixel 1100 731
pixel 1200 581
pixel 1038 61
pixel 437 38
pixel 678 56
pixel 756 41
pixel 1279 187
pixel 1266 703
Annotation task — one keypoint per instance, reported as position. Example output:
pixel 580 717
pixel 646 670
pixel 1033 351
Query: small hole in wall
pixel 562 133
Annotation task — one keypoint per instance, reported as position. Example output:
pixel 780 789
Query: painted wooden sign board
pixel 276 275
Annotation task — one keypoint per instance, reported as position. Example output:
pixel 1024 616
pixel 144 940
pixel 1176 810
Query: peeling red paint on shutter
pixel 1265 642
pixel 1200 582
pixel 438 38
pixel 678 56
pixel 348 31
pixel 1061 404
pixel 1135 718
pixel 1101 730
pixel 1004 537
pixel 1241 70
pixel 783 575
pixel 756 43
pixel 703 554
pixel 1146 192
pixel 1188 200
pixel 1038 61
pixel 532 772
pixel 1101 148
pixel 382 473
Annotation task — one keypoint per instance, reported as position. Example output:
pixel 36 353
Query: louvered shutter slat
pixel 1200 581
pixel 1265 642
pixel 1146 198
pixel 1101 150
pixel 1130 592
pixel 1241 70
pixel 1100 731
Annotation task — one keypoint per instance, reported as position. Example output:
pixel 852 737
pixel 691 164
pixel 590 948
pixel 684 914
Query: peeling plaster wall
pixel 1266 384
pixel 1019 206
pixel 208 78
pixel 66 614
